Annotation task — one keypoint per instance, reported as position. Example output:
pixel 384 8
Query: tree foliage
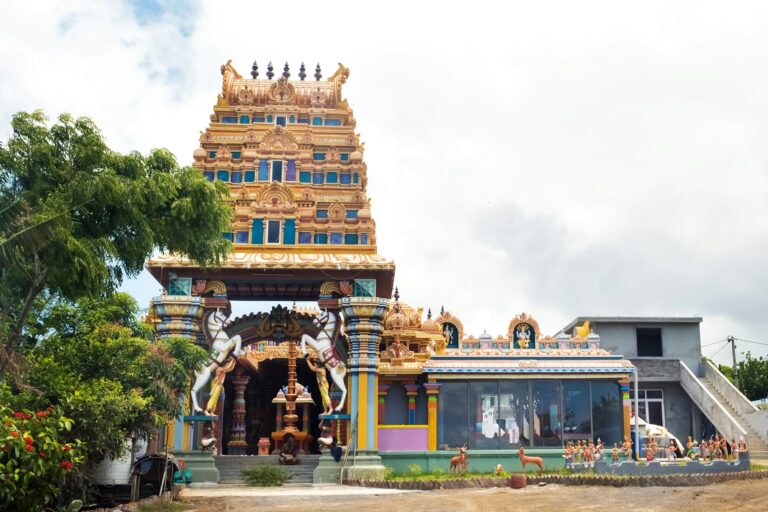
pixel 753 376
pixel 95 360
pixel 111 212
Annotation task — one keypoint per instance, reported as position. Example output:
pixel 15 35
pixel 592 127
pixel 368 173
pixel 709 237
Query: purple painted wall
pixel 405 438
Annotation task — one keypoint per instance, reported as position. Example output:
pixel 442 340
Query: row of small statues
pixel 587 451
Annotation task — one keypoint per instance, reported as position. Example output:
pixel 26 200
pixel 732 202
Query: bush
pixel 414 469
pixel 265 476
pixel 33 458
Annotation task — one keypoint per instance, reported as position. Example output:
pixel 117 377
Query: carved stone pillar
pixel 412 391
pixel 237 444
pixel 364 326
pixel 177 315
pixel 433 390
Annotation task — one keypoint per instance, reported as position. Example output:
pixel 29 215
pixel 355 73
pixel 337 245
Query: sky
pixel 559 158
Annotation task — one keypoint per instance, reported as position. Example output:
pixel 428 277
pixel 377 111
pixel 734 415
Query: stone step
pixel 230 467
pixel 756 444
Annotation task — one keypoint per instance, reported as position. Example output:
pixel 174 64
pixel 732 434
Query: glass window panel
pixel 208 175
pixel 355 179
pixel 229 119
pixel 317 178
pixel 607 417
pixel 305 177
pixel 514 415
pixel 321 238
pixel 280 121
pixel 364 239
pixel 322 214
pixel 452 413
pixel 351 214
pixel 273 232
pixel 228 236
pixel 222 175
pixel 546 417
pixel 336 238
pixel 263 170
pixel 277 170
pixel 350 239
pixel 242 237
pixel 332 177
pixel 317 121
pixel 250 176
pixel 211 155
pixel 345 178
pixel 290 171
pixel 344 157
pixel 577 416
pixel 259 119
pixel 484 415
pixel 333 122
pixel 655 412
pixel 269 118
pixel 292 119
pixel 237 177
pixel 303 120
pixel 245 120
pixel 318 156
pixel 236 155
pixel 305 237
pixel 653 393
pixel 396 406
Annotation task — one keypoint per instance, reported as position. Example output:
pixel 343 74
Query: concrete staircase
pixel 758 449
pixel 229 467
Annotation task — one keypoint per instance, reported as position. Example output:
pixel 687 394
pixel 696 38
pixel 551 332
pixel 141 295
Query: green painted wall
pixel 477 461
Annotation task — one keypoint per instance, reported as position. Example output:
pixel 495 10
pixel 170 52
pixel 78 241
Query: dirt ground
pixel 742 496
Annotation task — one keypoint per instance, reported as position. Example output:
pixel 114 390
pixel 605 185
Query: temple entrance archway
pixel 261 418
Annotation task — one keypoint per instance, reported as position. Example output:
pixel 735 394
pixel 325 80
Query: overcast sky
pixel 559 158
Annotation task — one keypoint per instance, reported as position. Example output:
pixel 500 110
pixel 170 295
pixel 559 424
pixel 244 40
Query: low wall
pixel 403 438
pixel 478 461
pixel 735 398
pixel 688 480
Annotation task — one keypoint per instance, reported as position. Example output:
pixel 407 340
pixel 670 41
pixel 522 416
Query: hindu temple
pixel 392 383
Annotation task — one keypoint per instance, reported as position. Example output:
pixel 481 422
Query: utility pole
pixel 732 341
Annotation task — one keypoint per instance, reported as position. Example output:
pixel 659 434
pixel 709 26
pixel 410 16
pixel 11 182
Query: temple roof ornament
pixel 430 326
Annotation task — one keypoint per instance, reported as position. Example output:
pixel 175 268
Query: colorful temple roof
pixel 288 151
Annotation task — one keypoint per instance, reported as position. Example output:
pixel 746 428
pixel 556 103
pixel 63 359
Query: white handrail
pixel 687 377
pixel 724 379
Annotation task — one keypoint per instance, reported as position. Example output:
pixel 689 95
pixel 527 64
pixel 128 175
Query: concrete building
pixel 677 388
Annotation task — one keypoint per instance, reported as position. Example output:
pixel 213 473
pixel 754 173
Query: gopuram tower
pixel 285 146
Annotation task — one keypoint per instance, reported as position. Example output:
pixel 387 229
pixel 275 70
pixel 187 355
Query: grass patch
pixel 758 467
pixel 440 474
pixel 166 506
pixel 265 475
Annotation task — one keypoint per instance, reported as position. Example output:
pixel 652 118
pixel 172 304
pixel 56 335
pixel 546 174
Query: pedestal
pixel 202 465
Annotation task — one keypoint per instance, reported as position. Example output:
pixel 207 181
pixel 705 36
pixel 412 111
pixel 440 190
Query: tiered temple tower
pixel 287 149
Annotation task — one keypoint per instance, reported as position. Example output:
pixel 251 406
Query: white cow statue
pixel 328 355
pixel 222 347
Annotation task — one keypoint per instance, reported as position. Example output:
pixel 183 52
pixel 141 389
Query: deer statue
pixel 524 459
pixel 459 462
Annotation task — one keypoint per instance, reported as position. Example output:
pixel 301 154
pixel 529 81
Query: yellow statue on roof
pixel 583 330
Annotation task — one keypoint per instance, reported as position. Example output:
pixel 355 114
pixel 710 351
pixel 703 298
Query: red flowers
pixel 41 414
pixel 66 447
pixel 14 433
pixel 42 454
pixel 67 465
pixel 30 448
pixel 22 415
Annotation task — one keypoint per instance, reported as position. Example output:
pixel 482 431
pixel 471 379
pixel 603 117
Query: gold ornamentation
pixel 520 319
pixel 215 286
pixel 448 317
pixel 282 91
pixel 279 139
pixel 329 288
pixel 275 195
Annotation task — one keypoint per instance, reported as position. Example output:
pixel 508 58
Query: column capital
pixel 177 315
pixel 384 388
pixel 432 388
pixel 411 389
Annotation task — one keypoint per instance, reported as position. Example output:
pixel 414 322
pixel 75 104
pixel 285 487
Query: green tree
pixel 112 211
pixel 94 359
pixel 753 376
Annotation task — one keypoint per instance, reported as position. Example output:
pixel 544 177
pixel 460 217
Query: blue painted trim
pixel 334 416
pixel 516 358
pixel 528 370
pixel 200 417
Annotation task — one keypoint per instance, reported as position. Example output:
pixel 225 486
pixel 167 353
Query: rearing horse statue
pixel 222 347
pixel 327 353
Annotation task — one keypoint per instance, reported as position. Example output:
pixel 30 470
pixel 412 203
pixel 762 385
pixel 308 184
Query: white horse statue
pixel 327 353
pixel 223 346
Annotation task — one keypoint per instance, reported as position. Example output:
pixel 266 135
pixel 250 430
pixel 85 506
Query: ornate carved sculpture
pixel 322 383
pixel 324 346
pixel 222 347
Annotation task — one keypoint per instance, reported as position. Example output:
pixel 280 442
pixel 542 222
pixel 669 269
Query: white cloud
pixel 560 158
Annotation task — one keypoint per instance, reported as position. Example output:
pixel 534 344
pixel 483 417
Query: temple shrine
pixel 391 383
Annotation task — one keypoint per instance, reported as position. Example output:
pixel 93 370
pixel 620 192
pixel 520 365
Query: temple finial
pixel 318 74
pixel 270 74
pixel 429 313
pixel 255 70
pixel 442 310
pixel 286 71
pixel 302 72
pixel 397 294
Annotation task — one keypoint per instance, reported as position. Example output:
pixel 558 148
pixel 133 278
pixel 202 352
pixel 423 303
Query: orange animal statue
pixel 524 459
pixel 459 462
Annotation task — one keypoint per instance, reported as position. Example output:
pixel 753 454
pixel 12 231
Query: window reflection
pixel 607 420
pixel 452 408
pixel 546 419
pixel 577 417
pixel 484 415
pixel 514 423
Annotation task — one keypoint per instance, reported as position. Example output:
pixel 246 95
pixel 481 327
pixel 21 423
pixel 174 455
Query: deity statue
pixel 222 347
pixel 322 383
pixel 324 346
pixel 208 440
pixel 288 451
pixel 615 453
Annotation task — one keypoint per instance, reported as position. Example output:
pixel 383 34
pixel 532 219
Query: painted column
pixel 433 390
pixel 364 326
pixel 177 316
pixel 411 390
pixel 237 444
pixel 383 389
pixel 627 408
